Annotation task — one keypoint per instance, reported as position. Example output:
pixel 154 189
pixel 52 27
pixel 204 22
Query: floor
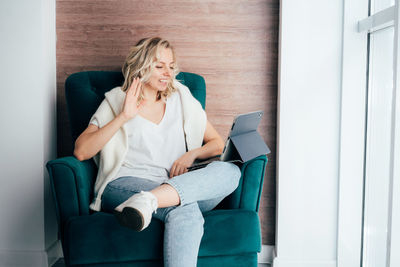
pixel 60 263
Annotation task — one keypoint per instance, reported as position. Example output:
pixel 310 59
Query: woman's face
pixel 162 73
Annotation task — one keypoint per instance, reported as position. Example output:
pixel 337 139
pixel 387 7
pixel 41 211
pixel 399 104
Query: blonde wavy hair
pixel 141 61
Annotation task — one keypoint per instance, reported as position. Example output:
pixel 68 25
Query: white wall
pixel 27 117
pixel 308 135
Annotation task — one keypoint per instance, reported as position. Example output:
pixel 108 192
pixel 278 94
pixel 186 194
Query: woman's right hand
pixel 131 107
pixel 93 139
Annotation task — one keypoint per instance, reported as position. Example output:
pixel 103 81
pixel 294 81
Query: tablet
pixel 241 125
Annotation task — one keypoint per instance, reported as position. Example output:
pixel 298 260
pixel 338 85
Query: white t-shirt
pixel 153 148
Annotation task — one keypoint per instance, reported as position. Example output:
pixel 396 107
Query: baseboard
pixel 302 263
pixel 31 258
pixel 267 254
pixel 54 252
pixel 23 258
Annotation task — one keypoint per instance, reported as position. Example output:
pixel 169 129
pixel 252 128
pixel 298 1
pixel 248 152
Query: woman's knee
pixel 230 171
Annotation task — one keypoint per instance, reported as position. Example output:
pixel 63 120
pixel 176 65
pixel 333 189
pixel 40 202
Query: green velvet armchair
pixel 232 234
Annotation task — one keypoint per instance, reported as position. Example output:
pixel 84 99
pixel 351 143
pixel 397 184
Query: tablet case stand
pixel 243 144
pixel 244 147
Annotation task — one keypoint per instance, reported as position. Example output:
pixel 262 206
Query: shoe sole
pixel 131 218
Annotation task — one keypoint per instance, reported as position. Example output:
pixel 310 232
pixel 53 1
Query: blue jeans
pixel 199 191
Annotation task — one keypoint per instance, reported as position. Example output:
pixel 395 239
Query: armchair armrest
pixel 72 185
pixel 247 194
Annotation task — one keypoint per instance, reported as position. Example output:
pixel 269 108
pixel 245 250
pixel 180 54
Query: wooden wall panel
pixel 232 44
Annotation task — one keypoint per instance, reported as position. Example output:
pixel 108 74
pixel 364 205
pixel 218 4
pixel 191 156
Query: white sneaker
pixel 137 210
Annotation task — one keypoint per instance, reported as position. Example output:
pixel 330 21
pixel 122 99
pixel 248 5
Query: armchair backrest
pixel 84 92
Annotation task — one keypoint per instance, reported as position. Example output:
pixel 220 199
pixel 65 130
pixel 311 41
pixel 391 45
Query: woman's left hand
pixel 180 165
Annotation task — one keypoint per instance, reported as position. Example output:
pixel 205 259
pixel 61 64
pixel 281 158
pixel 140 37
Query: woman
pixel 148 132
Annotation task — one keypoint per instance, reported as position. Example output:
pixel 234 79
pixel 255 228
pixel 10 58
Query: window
pixel 369 189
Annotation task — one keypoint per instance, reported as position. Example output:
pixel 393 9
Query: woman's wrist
pixel 195 152
pixel 124 118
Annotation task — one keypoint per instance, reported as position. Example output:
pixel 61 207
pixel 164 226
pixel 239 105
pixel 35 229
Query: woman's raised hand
pixel 93 139
pixel 131 107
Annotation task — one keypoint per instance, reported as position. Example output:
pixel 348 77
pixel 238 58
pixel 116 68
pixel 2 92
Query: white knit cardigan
pixel 111 156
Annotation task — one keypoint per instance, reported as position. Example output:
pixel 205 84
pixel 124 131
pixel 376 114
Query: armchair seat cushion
pixel 99 238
